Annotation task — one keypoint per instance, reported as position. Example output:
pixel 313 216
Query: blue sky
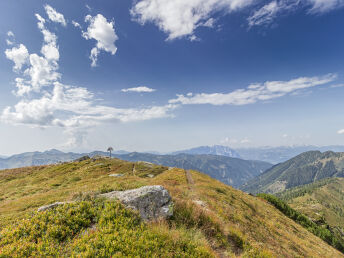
pixel 166 75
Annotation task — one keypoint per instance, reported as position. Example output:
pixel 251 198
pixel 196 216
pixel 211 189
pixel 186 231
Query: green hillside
pixel 322 201
pixel 210 218
pixel 305 168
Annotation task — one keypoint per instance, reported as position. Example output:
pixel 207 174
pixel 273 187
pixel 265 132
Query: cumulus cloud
pixel 54 15
pixel 73 108
pixel 254 92
pixel 181 18
pixel 19 56
pixel 139 89
pixel 103 32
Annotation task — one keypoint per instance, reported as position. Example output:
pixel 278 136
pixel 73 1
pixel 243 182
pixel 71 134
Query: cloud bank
pixel 254 92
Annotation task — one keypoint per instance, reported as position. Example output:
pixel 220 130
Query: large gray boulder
pixel 152 202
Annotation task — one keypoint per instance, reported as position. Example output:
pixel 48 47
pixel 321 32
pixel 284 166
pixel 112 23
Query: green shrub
pixel 95 228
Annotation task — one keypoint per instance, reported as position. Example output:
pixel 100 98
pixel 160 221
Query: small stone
pixel 150 175
pixel 116 175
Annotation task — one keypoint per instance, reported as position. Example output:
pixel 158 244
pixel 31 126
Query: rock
pixel 82 158
pixel 50 206
pixel 116 175
pixel 152 202
pixel 150 175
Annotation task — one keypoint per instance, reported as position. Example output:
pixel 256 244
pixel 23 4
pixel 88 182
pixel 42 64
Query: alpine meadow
pixel 169 128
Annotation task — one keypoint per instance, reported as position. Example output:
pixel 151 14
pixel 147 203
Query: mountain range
pixel 280 154
pixel 212 150
pixel 303 169
pixel 232 171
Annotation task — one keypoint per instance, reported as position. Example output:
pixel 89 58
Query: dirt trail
pixel 189 178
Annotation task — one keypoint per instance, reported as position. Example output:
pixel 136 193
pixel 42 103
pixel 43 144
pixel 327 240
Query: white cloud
pixel 55 16
pixel 340 131
pixel 75 109
pixel 139 89
pixel 254 92
pixel 10 40
pixel 180 18
pixel 339 85
pixel 88 7
pixel 267 13
pixel 103 32
pixel 245 140
pixel 19 55
pixel 76 24
pixel 323 6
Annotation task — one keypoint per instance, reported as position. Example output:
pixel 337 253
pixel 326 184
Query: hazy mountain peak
pixel 213 150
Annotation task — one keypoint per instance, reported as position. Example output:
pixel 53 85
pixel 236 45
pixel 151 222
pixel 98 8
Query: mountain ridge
pixel 303 169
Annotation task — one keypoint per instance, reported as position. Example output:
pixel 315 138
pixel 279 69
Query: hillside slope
pixel 210 218
pixel 322 201
pixel 303 169
pixel 231 171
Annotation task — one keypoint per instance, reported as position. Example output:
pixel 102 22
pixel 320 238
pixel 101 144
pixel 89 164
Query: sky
pixel 165 75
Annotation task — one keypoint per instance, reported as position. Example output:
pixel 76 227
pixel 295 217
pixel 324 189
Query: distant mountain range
pixel 303 169
pixel 272 155
pixel 212 150
pixel 232 171
pixel 45 158
pixel 277 155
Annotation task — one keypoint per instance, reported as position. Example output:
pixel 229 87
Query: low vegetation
pixel 321 231
pixel 210 218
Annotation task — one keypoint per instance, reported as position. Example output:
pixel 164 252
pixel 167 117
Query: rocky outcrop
pixel 50 206
pixel 152 202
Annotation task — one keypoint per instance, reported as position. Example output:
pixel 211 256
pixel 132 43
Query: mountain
pixel 210 219
pixel 303 169
pixel 322 201
pixel 231 171
pixel 212 150
pixel 45 158
pixel 276 155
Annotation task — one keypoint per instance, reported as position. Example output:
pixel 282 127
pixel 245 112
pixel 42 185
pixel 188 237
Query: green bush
pixel 94 228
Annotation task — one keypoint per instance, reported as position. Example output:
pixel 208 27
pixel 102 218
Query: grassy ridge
pixel 210 218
